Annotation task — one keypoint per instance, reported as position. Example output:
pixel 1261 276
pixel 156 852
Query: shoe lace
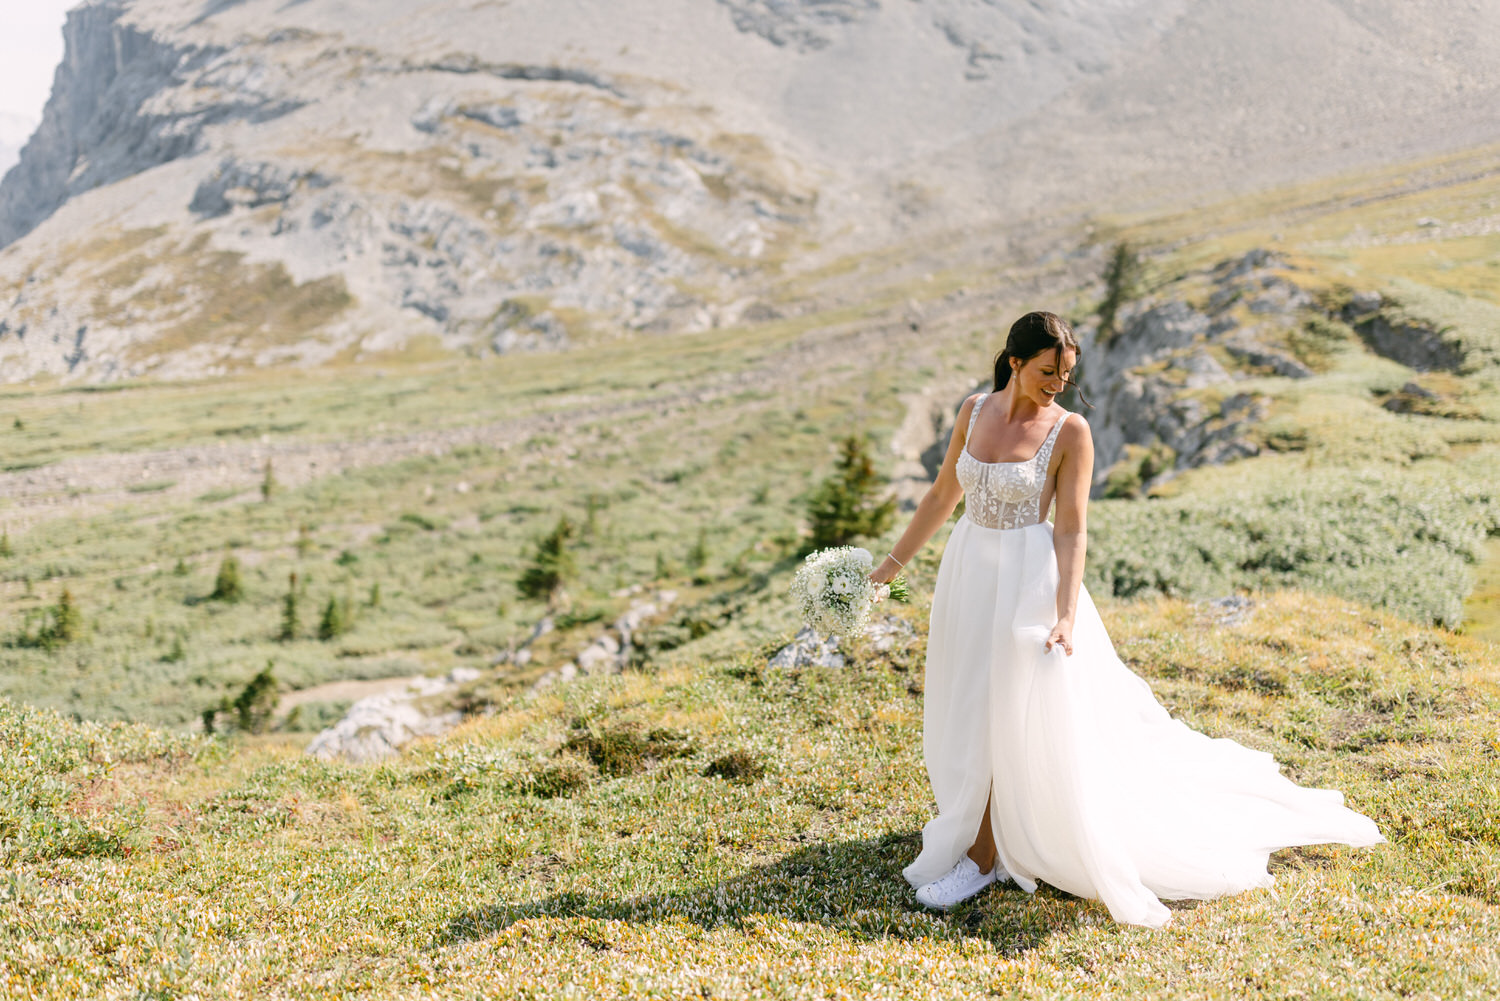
pixel 955 876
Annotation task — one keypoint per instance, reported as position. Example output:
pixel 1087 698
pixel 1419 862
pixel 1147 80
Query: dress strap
pixel 974 415
pixel 1045 453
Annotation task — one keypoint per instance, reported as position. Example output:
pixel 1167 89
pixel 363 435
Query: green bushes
pixel 62 623
pixel 251 710
pixel 46 758
pixel 1407 545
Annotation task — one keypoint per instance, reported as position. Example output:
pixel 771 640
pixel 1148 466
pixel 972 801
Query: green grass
pixel 167 867
pixel 701 826
pixel 444 537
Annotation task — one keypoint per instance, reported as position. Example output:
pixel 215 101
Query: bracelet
pixel 896 561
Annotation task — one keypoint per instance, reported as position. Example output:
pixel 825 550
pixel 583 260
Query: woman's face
pixel 1042 377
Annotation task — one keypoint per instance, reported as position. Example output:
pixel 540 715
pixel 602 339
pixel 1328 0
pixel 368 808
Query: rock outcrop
pixel 610 651
pixel 1164 397
pixel 378 726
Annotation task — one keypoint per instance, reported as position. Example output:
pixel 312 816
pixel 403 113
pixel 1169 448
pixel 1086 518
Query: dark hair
pixel 1031 335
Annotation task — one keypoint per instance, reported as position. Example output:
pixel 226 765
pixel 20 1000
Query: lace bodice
pixel 1004 494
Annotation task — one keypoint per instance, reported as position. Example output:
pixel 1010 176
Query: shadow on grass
pixel 853 887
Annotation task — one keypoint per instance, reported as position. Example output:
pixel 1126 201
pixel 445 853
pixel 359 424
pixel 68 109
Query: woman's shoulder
pixel 1075 428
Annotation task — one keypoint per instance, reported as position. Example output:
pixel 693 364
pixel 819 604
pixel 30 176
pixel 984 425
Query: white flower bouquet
pixel 834 589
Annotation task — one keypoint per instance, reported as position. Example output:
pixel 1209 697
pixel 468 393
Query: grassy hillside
pixel 701 824
pixel 719 829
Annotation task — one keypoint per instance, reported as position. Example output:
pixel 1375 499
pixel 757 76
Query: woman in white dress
pixel 1049 759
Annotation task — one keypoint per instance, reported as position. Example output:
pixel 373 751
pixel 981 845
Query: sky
pixel 30 48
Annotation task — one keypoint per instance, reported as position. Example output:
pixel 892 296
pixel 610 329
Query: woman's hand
pixel 887 571
pixel 1061 635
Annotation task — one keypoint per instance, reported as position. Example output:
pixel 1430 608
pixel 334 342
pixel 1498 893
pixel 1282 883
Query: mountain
pixel 219 184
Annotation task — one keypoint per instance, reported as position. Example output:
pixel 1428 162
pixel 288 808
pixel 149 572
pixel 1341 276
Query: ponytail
pixel 1002 370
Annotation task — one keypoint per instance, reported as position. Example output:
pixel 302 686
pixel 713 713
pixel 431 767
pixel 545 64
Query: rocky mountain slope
pixel 224 183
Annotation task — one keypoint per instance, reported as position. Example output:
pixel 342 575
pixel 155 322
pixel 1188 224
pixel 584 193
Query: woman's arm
pixel 1075 471
pixel 936 506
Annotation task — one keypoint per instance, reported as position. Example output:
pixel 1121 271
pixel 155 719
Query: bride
pixel 1049 759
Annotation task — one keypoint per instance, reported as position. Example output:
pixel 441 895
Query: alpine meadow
pixel 413 417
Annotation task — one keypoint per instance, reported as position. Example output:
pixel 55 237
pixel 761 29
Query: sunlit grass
pixel 257 872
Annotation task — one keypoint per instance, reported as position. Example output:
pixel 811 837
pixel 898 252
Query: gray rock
pixel 1230 610
pixel 1417 345
pixel 237 184
pixel 378 726
pixel 799 24
pixel 808 649
pixel 885 633
pixel 1243 346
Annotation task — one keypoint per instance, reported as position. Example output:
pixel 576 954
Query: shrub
pixel 551 565
pixel 697 556
pixel 550 780
pixel 256 703
pixel 228 585
pixel 64 624
pixel 251 710
pixel 268 484
pixel 290 620
pixel 845 507
pixel 336 620
pixel 1407 544
pixel 737 766
pixel 623 750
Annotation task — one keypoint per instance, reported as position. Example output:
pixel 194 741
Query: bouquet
pixel 833 587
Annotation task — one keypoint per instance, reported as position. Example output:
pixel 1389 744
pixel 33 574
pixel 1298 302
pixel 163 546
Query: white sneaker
pixel 962 882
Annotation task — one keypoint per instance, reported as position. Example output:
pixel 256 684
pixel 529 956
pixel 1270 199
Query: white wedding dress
pixel 1097 790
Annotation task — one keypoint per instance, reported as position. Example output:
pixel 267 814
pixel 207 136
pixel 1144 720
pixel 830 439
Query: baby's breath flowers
pixel 835 592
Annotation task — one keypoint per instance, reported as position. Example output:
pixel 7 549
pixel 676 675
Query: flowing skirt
pixel 1096 789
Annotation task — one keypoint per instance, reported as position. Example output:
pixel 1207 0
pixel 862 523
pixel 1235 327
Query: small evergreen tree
pixel 1123 277
pixel 290 623
pixel 65 625
pixel 268 484
pixel 335 621
pixel 177 653
pixel 845 506
pixel 227 585
pixel 5 546
pixel 256 703
pixel 697 556
pixel 374 599
pixel 552 564
pixel 592 505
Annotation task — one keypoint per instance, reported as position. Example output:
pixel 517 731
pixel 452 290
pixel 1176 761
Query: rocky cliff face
pixel 1163 385
pixel 220 183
